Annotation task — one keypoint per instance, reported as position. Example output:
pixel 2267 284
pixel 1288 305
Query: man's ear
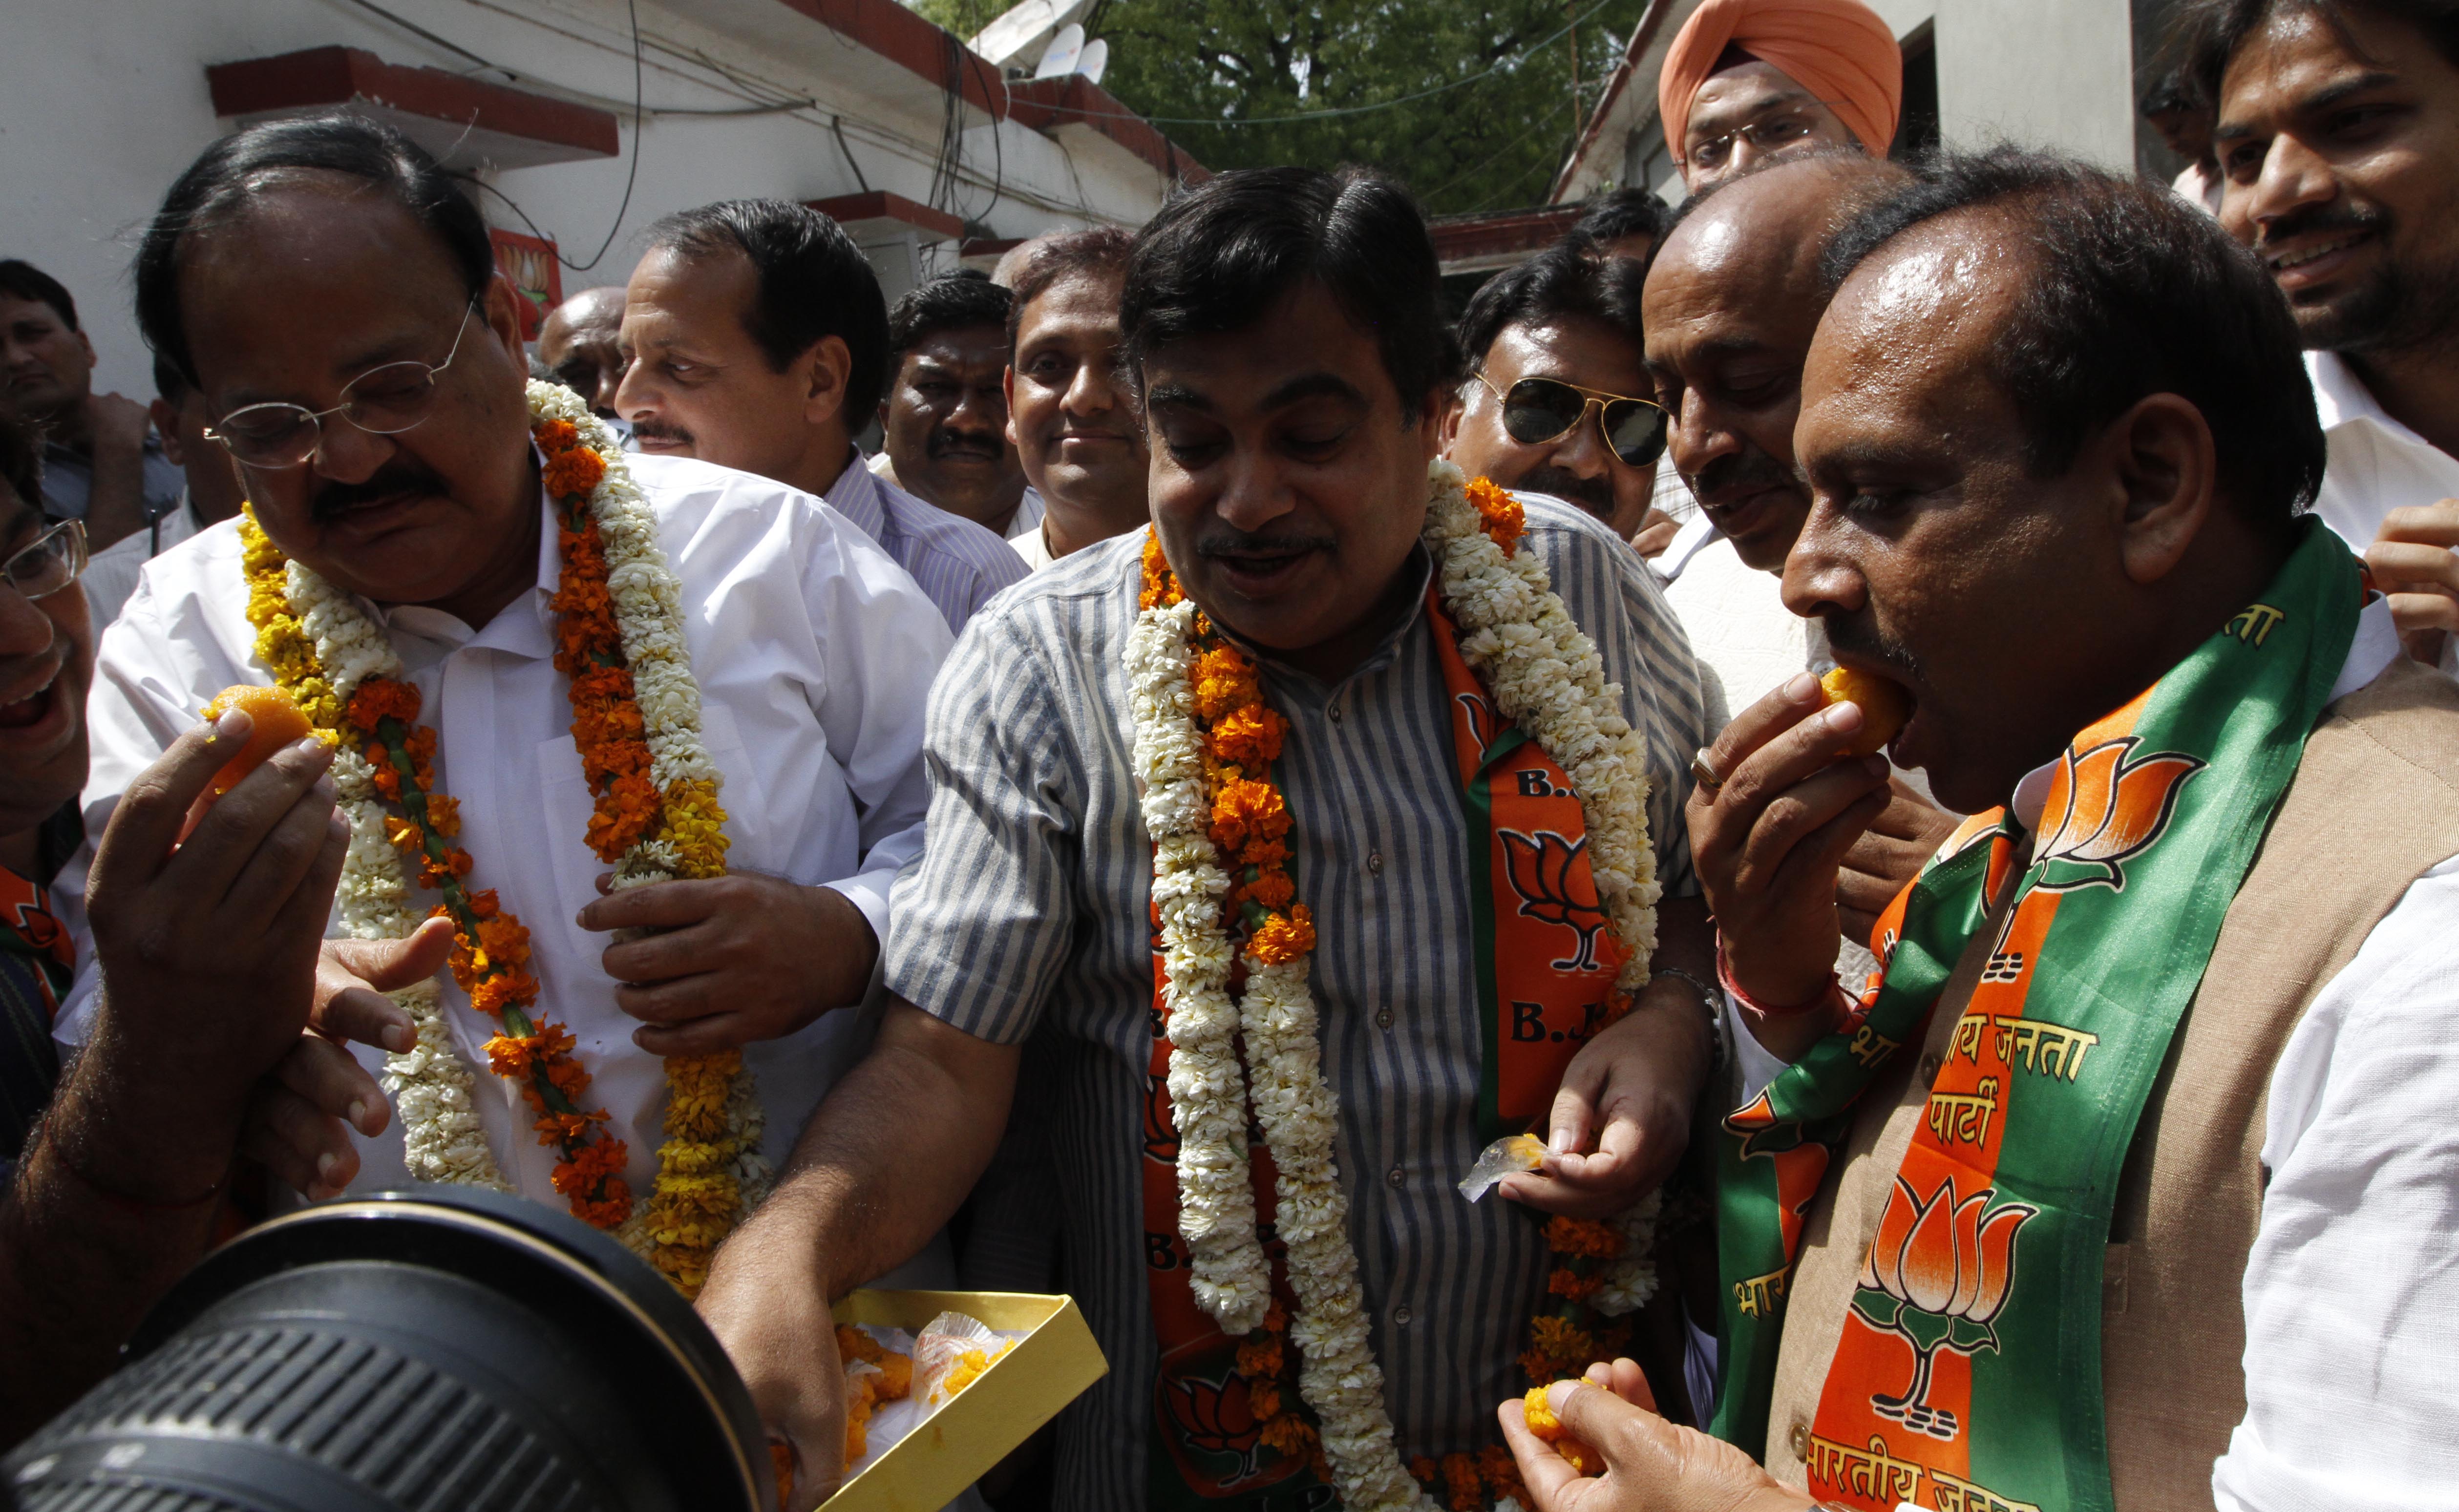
pixel 500 307
pixel 1449 405
pixel 166 424
pixel 2162 460
pixel 826 367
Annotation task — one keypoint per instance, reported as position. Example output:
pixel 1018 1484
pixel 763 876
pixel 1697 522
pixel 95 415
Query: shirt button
pixel 1799 1440
pixel 1395 1176
pixel 1401 1314
pixel 1374 862
pixel 1929 1068
pixel 1382 1018
pixel 1332 713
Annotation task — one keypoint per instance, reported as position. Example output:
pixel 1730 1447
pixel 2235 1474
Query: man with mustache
pixel 2098 1199
pixel 115 1165
pixel 1557 400
pixel 2337 133
pixel 944 421
pixel 1284 326
pixel 1073 424
pixel 663 712
pixel 1749 80
pixel 758 340
pixel 1733 298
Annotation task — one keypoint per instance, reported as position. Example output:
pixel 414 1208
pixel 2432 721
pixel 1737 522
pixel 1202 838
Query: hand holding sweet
pixel 1650 1465
pixel 2413 560
pixel 733 959
pixel 208 948
pixel 1622 1118
pixel 1770 840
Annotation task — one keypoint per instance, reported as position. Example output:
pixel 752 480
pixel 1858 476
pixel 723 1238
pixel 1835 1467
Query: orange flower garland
pixel 490 947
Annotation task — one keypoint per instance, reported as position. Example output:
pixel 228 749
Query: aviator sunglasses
pixel 1536 411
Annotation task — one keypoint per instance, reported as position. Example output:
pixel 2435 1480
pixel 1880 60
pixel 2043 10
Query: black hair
pixel 2128 291
pixel 21 458
pixel 1609 217
pixel 229 173
pixel 965 300
pixel 1217 258
pixel 1560 283
pixel 24 281
pixel 170 386
pixel 1101 252
pixel 813 283
pixel 2212 30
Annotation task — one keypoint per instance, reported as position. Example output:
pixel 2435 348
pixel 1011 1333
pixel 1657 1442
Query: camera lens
pixel 455 1350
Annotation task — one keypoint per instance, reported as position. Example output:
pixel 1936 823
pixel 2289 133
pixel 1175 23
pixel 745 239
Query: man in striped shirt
pixel 756 338
pixel 1285 329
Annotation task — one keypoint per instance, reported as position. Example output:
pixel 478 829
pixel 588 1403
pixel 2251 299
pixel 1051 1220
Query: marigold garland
pixel 1205 741
pixel 655 817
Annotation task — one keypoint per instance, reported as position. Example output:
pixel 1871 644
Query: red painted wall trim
pixel 1046 103
pixel 1510 231
pixel 912 43
pixel 336 75
pixel 881 206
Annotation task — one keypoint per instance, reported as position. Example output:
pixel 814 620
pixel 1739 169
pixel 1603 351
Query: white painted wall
pixel 103 102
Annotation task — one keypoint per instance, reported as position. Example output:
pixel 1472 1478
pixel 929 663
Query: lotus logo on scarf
pixel 1551 888
pixel 2104 809
pixel 1939 1272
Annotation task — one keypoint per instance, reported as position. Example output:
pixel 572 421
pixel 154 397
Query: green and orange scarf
pixel 1968 1370
pixel 1224 1409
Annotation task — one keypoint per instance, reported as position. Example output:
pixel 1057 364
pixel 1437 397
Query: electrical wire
pixel 515 75
pixel 631 177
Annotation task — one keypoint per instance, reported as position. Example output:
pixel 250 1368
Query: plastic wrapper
pixel 1518 1152
pixel 950 1352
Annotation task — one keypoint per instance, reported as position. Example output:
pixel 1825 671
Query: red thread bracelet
pixel 1833 998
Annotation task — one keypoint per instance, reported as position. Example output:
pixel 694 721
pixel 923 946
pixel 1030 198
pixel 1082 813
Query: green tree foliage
pixel 1281 81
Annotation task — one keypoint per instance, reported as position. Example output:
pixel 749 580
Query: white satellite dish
pixel 1058 59
pixel 1095 59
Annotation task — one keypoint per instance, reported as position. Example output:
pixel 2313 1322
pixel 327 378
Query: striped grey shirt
pixel 1027 915
pixel 958 563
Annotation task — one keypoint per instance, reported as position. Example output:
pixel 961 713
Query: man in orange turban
pixel 1747 79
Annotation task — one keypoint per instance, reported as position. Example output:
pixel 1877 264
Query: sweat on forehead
pixel 1779 214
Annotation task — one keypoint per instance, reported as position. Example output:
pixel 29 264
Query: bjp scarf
pixel 1969 1373
pixel 1225 1410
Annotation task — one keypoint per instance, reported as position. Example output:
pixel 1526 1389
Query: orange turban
pixel 1838 50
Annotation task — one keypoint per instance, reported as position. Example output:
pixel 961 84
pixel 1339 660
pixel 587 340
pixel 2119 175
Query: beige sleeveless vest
pixel 2374 805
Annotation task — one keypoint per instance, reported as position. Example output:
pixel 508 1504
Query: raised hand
pixel 1770 840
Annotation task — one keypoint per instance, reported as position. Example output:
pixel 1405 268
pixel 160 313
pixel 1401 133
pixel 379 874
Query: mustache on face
pixel 943 442
pixel 395 479
pixel 660 430
pixel 1239 543
pixel 1856 634
pixel 1740 471
pixel 2323 217
pixel 1595 494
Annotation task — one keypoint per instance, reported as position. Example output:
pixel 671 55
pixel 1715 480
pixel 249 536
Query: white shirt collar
pixel 1697 534
pixel 2376 645
pixel 2342 398
pixel 527 635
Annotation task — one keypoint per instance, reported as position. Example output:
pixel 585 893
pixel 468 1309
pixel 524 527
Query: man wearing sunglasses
pixel 368 380
pixel 1748 80
pixel 1558 399
pixel 113 1165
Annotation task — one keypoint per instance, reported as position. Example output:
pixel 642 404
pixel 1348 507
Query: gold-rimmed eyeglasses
pixel 385 400
pixel 1536 411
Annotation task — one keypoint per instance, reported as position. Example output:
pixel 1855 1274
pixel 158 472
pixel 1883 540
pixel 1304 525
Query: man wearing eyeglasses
pixel 1746 80
pixel 1558 399
pixel 115 1166
pixel 333 295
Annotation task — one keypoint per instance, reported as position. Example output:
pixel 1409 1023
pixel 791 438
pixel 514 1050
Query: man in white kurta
pixel 810 646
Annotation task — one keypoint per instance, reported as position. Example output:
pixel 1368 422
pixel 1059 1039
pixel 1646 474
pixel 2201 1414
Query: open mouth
pixel 30 708
pixel 2281 262
pixel 1256 572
